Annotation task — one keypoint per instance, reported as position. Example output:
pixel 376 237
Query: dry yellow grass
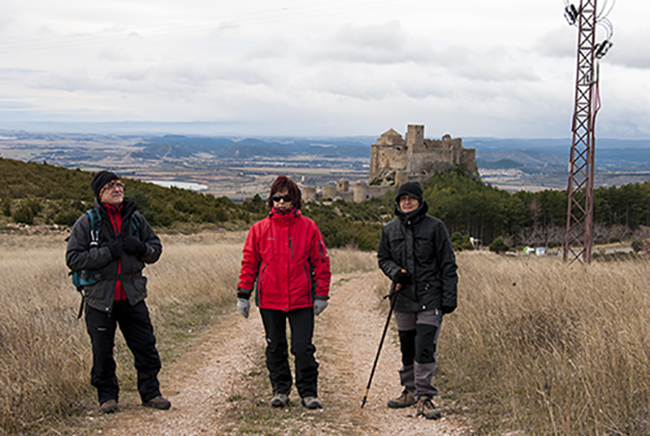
pixel 551 348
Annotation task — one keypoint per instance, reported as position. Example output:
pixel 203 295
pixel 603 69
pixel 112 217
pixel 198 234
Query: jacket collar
pixel 128 207
pixel 284 219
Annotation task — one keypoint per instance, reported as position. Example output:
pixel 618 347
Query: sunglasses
pixel 277 198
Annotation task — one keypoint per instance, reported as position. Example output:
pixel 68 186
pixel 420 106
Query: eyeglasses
pixel 114 184
pixel 111 185
pixel 277 198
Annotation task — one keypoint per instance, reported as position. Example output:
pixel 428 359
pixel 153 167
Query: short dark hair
pixel 285 183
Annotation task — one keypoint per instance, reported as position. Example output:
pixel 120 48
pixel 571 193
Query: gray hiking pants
pixel 418 335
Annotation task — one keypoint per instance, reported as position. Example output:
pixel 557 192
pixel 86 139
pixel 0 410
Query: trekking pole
pixel 398 286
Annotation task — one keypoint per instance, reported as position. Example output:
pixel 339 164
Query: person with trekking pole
pixel 415 252
pixel 110 244
pixel 286 261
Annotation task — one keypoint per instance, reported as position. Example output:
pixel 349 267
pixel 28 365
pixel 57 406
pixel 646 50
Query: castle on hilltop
pixel 395 160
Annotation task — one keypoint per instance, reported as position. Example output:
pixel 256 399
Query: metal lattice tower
pixel 578 239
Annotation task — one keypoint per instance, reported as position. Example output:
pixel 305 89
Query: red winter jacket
pixel 287 257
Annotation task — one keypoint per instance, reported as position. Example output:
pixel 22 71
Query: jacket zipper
pixel 289 270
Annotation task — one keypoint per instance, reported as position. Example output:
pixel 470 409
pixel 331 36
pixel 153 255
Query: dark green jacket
pixel 81 256
pixel 420 244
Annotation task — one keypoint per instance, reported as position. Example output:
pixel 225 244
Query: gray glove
pixel 243 306
pixel 319 306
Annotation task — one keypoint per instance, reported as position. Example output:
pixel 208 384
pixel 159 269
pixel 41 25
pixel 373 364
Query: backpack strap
pixel 95 218
pixel 135 226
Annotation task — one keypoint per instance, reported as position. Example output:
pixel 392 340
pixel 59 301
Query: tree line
pixel 40 193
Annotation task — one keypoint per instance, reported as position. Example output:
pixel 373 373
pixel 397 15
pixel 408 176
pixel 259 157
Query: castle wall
pixel 363 192
pixel 387 158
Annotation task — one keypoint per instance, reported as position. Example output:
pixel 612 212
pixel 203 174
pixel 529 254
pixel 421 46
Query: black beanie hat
pixel 100 180
pixel 411 188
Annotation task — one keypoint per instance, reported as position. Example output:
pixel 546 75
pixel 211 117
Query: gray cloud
pixel 560 42
pixel 273 48
pixel 493 65
pixel 630 49
pixel 381 44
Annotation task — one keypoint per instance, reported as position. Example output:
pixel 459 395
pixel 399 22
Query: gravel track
pixel 206 385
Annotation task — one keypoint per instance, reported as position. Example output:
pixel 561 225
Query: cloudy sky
pixel 503 68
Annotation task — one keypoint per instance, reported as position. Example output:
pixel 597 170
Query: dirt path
pixel 221 386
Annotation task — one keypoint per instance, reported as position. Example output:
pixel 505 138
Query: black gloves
pixel 130 245
pixel 447 309
pixel 133 245
pixel 115 248
pixel 402 277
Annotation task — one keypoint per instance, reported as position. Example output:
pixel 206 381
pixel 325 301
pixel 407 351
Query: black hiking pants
pixel 137 330
pixel 301 322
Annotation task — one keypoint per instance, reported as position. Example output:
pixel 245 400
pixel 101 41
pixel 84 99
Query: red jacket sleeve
pixel 320 261
pixel 250 264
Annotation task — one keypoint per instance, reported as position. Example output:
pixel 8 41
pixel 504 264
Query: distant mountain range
pixel 528 155
pixel 178 147
pixel 548 155
pixel 531 156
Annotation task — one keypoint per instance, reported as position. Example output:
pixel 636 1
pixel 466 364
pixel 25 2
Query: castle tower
pixel 360 192
pixel 414 135
pixel 309 193
pixel 414 142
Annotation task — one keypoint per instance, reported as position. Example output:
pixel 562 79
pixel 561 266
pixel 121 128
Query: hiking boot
pixel 280 400
pixel 109 406
pixel 405 400
pixel 158 403
pixel 312 403
pixel 427 409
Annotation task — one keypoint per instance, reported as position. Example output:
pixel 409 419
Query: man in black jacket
pixel 114 246
pixel 415 252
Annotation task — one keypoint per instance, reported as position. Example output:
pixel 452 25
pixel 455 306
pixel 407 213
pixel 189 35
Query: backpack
pixel 83 278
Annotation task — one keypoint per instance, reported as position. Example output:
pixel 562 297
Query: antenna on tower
pixel 580 190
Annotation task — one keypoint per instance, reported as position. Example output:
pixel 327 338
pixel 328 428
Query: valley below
pixel 239 168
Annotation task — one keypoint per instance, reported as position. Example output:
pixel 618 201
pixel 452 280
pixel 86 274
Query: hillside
pixel 43 194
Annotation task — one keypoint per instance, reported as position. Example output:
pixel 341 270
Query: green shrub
pixel 498 246
pixel 6 207
pixel 23 215
pixel 461 242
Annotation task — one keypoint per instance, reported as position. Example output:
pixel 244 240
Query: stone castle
pixel 395 160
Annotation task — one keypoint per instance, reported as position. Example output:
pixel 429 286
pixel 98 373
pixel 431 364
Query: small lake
pixel 183 185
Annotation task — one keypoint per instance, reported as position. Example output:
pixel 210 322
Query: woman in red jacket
pixel 286 259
